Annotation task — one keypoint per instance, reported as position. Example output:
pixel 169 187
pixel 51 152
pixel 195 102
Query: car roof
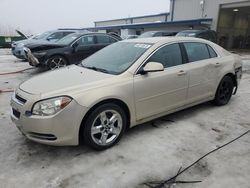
pixel 160 31
pixel 79 34
pixel 155 40
pixel 196 31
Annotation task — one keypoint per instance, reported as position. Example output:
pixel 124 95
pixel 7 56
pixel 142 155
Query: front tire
pixel 56 62
pixel 224 91
pixel 104 127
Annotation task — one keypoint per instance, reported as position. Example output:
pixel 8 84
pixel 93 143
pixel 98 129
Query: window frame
pixel 73 43
pixel 188 61
pixel 213 50
pixel 105 36
pixel 145 61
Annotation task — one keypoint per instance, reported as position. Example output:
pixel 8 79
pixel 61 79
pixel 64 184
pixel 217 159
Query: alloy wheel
pixel 57 62
pixel 106 127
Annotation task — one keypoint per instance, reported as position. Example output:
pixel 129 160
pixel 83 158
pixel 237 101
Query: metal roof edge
pixel 156 24
pixel 134 17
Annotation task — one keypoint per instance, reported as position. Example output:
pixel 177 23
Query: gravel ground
pixel 146 153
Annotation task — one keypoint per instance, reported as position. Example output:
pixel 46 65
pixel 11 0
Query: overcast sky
pixel 41 15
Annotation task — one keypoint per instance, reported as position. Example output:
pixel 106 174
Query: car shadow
pixel 31 152
pixel 171 119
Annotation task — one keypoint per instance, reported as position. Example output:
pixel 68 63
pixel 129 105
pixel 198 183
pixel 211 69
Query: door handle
pixel 217 64
pixel 182 72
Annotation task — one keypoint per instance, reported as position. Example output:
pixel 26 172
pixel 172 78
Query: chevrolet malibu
pixel 123 85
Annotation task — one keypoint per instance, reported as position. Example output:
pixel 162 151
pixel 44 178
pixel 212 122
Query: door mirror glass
pixel 153 67
pixel 49 38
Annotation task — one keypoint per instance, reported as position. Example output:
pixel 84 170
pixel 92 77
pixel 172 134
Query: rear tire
pixel 56 62
pixel 104 126
pixel 224 91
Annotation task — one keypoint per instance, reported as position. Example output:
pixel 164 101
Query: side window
pixel 86 40
pixel 159 34
pixel 169 56
pixel 112 40
pixel 196 51
pixel 102 39
pixel 212 52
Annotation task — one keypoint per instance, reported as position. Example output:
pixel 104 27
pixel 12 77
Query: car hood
pixel 25 41
pixel 31 41
pixel 43 45
pixel 21 34
pixel 64 81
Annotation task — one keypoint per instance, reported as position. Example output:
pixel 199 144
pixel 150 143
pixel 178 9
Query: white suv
pixel 123 85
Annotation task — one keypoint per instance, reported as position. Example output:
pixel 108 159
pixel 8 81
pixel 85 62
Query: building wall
pixel 112 22
pixel 133 20
pixel 150 19
pixel 171 28
pixel 191 9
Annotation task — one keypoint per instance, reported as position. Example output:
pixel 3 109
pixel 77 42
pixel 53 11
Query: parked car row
pixel 49 36
pixel 69 50
pixel 55 49
pixel 204 34
pixel 122 85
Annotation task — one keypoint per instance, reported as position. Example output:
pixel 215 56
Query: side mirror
pixel 75 45
pixel 49 38
pixel 153 67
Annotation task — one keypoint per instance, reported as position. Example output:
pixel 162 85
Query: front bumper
pixel 60 129
pixel 18 52
pixel 33 61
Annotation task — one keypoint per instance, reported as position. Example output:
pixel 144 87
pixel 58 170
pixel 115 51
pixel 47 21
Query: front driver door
pixel 159 92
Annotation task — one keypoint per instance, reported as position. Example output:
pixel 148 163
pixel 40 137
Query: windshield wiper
pixel 96 69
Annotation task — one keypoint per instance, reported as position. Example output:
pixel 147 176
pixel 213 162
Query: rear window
pixel 212 53
pixel 196 51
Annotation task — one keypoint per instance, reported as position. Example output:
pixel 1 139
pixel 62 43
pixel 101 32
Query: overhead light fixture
pixel 236 10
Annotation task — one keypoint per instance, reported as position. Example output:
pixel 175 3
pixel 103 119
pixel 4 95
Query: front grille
pixel 41 136
pixel 16 113
pixel 21 99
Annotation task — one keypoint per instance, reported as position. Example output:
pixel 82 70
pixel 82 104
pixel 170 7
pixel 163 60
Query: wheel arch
pixel 233 76
pixel 118 102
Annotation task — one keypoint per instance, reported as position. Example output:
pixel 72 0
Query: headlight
pixel 39 54
pixel 51 106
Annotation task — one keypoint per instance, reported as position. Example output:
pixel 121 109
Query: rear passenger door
pixel 201 70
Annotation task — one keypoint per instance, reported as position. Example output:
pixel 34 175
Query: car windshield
pixel 147 34
pixel 115 58
pixel 68 39
pixel 43 35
